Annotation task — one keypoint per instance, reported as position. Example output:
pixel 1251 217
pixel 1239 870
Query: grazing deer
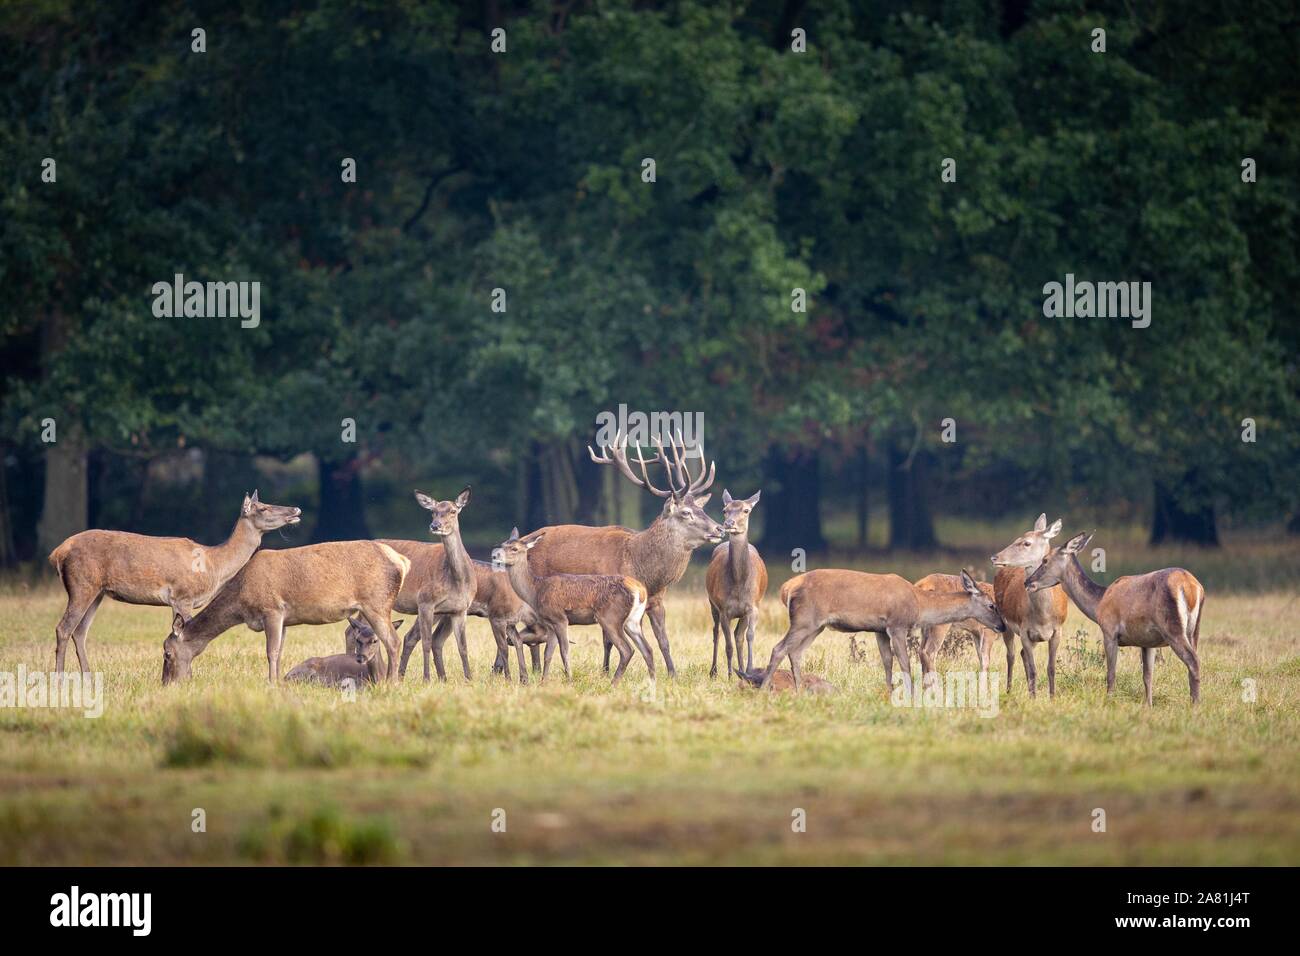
pixel 657 556
pixel 615 602
pixel 888 605
pixel 1034 618
pixel 360 665
pixel 493 599
pixel 783 681
pixel 444 589
pixel 736 581
pixel 933 635
pixel 1159 609
pixel 138 569
pixel 316 584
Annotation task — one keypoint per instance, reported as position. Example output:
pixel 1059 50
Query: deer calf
pixel 886 604
pixel 783 681
pixel 1036 617
pixel 736 581
pixel 316 584
pixel 933 635
pixel 138 569
pixel 360 665
pixel 1159 609
pixel 615 602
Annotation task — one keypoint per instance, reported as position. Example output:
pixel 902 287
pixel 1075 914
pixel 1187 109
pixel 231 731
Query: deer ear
pixel 425 501
pixel 702 500
pixel 1041 523
pixel 179 621
pixel 753 500
pixel 726 496
pixel 532 542
pixel 968 582
pixel 248 504
pixel 397 626
pixel 514 534
pixel 462 499
pixel 1054 530
pixel 1077 543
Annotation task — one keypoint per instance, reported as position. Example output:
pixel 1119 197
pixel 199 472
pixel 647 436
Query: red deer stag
pixel 137 569
pixel 1159 609
pixel 657 556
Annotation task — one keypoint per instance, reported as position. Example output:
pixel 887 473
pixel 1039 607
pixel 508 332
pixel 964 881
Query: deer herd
pixel 538 584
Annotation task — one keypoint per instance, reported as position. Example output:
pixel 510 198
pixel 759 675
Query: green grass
pixel 692 771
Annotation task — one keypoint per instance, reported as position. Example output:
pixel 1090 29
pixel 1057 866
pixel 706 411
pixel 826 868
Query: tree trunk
pixel 1170 523
pixel 911 527
pixel 342 512
pixel 551 495
pixel 64 510
pixel 792 515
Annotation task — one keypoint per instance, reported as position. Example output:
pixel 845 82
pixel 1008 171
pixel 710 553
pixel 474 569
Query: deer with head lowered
pixel 316 584
pixel 736 582
pixel 851 601
pixel 1035 617
pixel 616 602
pixel 658 556
pixel 138 569
pixel 1159 609
pixel 933 635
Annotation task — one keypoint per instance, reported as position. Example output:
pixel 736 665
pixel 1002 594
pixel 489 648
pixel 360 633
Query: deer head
pixel 268 517
pixel 176 653
pixel 1054 565
pixel 1030 548
pixel 362 638
pixel 981 605
pixel 735 512
pixel 446 514
pixel 512 551
pixel 683 502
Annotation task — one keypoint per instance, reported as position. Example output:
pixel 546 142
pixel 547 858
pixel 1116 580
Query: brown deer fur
pixel 316 584
pixel 360 665
pixel 933 635
pixel 138 569
pixel 783 682
pixel 446 587
pixel 736 581
pixel 1034 618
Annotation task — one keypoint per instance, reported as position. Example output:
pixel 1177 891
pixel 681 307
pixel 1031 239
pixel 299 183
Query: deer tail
pixel 59 555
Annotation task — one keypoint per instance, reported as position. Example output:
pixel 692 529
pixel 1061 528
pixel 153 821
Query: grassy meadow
pixel 693 771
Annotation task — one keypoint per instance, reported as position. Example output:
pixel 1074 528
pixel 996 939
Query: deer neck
pixel 221 614
pixel 460 567
pixel 942 607
pixel 524 582
pixel 740 565
pixel 1083 590
pixel 659 555
pixel 232 554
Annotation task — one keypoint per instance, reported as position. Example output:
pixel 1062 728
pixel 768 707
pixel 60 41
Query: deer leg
pixel 551 641
pixel 1183 648
pixel 931 640
pixel 779 653
pixel 458 626
pixel 1009 639
pixel 886 658
pixel 983 644
pixel 1052 643
pixel 535 652
pixel 413 637
pixel 501 663
pixel 1110 643
pixel 660 626
pixel 562 638
pixel 713 610
pixel 73 614
pixel 382 625
pixel 519 653
pixel 83 629
pixel 613 635
pixel 607 648
pixel 273 624
pixel 434 641
pixel 633 630
pixel 1031 671
pixel 1148 666
pixel 726 636
pixel 898 643
pixel 750 620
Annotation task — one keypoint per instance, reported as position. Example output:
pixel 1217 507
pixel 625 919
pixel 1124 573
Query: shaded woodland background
pixel 522 171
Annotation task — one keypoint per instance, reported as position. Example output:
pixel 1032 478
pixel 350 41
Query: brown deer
pixel 360 665
pixel 138 569
pixel 316 584
pixel 445 585
pixel 783 682
pixel 1159 609
pixel 1034 618
pixel 615 602
pixel 736 581
pixel 494 599
pixel 657 556
pixel 933 635
pixel 888 605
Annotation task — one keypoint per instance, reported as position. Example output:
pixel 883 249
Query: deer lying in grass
pixel 1159 609
pixel 444 587
pixel 360 665
pixel 316 584
pixel 784 682
pixel 657 556
pixel 888 605
pixel 493 599
pixel 736 581
pixel 138 569
pixel 1034 618
pixel 933 635
pixel 615 602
